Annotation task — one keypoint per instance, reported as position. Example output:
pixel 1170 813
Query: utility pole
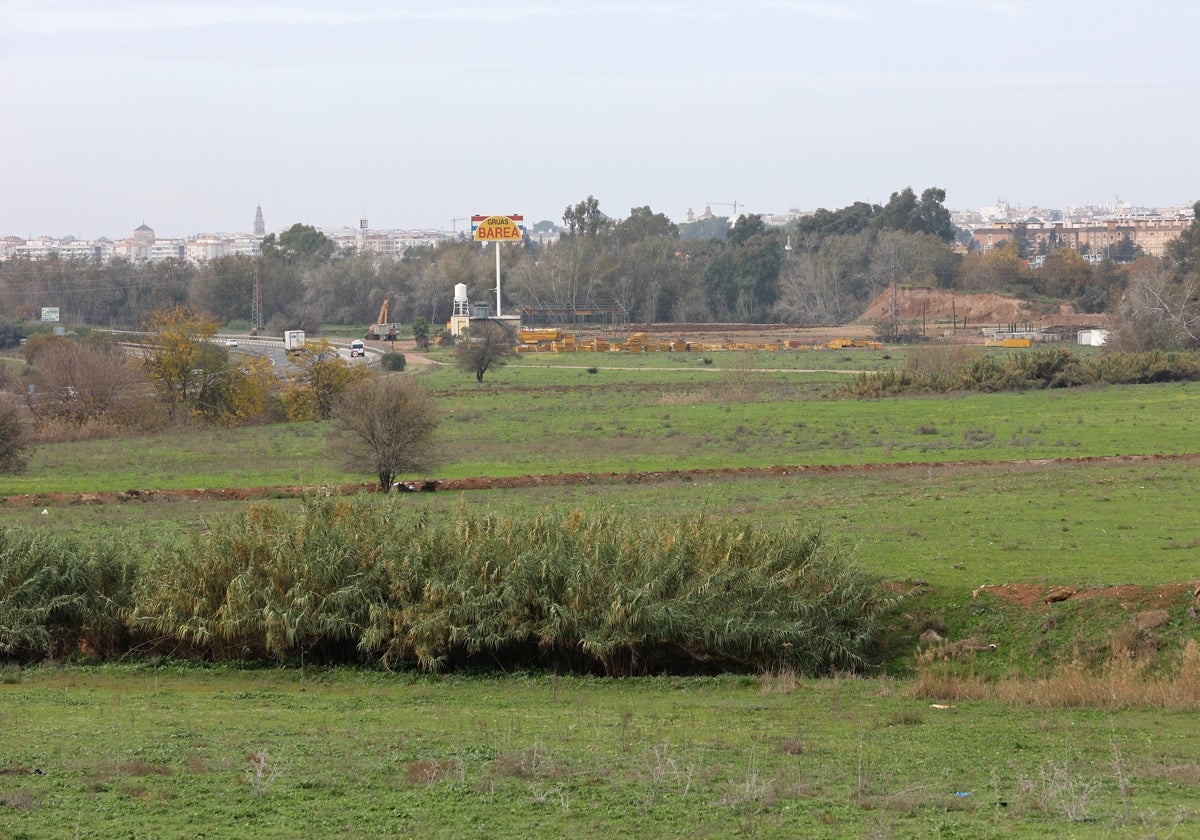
pixel 895 298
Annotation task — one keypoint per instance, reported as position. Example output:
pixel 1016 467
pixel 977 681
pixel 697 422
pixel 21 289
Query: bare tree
pixel 83 382
pixel 1158 312
pixel 825 285
pixel 386 425
pixel 486 346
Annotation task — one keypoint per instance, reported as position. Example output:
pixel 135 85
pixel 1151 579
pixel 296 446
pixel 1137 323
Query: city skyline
pixel 258 228
pixel 417 115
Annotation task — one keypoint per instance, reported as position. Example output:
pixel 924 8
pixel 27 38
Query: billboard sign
pixel 497 228
pixel 49 314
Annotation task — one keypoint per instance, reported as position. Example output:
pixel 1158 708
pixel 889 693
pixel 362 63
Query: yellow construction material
pixel 538 336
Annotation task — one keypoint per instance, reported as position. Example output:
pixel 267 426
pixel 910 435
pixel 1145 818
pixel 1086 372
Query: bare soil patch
pixel 976 309
pixel 1133 598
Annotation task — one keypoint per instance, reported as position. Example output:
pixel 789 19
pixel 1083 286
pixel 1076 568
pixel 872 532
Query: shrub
pixel 14 437
pixel 393 361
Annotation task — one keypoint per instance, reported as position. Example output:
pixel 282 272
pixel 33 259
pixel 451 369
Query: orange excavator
pixel 381 330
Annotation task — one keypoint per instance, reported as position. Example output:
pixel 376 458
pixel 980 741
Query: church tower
pixel 260 227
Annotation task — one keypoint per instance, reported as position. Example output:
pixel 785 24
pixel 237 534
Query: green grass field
pixel 162 751
pixel 940 494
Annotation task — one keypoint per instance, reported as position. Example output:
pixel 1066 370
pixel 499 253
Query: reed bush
pixel 58 597
pixel 600 594
pixel 593 594
pixel 265 584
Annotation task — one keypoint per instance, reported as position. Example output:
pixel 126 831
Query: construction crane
pixel 454 223
pixel 734 204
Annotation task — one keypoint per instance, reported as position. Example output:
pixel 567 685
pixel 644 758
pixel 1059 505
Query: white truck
pixel 293 341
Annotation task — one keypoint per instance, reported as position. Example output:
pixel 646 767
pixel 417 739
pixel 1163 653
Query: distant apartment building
pixel 1096 239
pixel 144 246
pixel 389 243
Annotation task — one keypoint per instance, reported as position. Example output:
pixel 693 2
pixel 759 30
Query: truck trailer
pixel 293 341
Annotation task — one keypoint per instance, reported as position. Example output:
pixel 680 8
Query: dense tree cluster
pixel 825 267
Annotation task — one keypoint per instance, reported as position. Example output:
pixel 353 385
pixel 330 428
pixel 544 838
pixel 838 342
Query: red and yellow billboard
pixel 497 228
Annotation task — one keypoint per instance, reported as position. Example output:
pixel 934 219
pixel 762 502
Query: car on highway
pixel 357 348
pixel 231 342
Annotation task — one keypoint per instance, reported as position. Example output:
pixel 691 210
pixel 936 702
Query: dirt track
pixel 455 485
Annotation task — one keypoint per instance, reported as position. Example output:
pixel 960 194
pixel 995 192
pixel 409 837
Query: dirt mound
pixel 975 308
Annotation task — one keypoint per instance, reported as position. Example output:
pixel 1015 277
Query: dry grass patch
pixel 1124 681
pixel 533 762
pixel 22 800
pixel 143 768
pixel 430 771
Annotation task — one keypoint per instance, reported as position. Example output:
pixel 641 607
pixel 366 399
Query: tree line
pixel 824 268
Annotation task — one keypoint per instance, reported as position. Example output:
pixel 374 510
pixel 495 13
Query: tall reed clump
pixel 372 581
pixel 603 594
pixel 266 584
pixel 58 597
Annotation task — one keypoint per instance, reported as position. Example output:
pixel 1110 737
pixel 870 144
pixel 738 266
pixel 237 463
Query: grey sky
pixel 186 115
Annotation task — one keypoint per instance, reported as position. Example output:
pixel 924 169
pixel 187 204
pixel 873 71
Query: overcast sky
pixel 186 115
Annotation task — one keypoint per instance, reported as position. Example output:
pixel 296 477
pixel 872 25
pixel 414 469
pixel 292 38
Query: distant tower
pixel 362 235
pixel 260 227
pixel 143 242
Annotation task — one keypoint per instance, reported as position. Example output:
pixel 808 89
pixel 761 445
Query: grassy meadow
pixel 1060 731
pixel 161 751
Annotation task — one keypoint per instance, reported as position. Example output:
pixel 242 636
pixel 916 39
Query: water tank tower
pixel 460 317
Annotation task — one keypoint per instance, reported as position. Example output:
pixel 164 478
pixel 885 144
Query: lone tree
pixel 486 346
pixel 14 440
pixel 420 331
pixel 385 424
pixel 325 377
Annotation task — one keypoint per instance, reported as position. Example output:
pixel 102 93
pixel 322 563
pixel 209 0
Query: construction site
pixel 554 340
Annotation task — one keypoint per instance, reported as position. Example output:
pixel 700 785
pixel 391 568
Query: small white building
pixel 1093 338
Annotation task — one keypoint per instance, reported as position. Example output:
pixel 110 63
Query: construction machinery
pixel 381 330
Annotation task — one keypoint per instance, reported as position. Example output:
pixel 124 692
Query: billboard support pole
pixel 498 229
pixel 497 278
